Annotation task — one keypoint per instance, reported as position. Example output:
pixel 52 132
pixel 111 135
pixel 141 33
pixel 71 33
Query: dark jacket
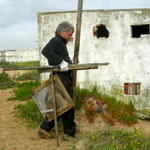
pixel 56 51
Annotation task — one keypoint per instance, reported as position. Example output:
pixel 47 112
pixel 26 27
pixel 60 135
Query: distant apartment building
pixel 25 55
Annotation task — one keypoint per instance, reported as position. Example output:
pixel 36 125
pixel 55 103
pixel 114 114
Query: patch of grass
pixel 116 140
pixel 24 90
pixel 4 77
pixel 6 65
pixel 5 81
pixel 120 111
pixel 32 75
pixel 27 64
pixel 19 64
pixel 29 113
pixel 123 112
pixel 145 112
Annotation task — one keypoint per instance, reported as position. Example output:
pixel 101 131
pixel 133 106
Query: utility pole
pixel 77 41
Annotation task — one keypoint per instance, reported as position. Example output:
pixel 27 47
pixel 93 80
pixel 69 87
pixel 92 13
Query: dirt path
pixel 16 136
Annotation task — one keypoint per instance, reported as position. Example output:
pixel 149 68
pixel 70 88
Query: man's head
pixel 65 30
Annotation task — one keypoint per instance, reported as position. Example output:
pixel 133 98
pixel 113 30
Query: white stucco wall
pixel 25 55
pixel 128 57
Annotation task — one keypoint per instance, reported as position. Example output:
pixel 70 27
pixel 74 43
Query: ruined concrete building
pixel 120 37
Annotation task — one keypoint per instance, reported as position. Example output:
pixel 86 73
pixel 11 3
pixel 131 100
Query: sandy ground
pixel 16 136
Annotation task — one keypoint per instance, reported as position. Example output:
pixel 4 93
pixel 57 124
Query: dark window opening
pixel 100 31
pixel 140 31
pixel 132 88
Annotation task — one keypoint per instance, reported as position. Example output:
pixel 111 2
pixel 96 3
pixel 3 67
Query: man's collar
pixel 64 40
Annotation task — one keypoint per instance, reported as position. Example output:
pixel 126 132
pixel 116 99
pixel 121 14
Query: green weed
pixel 4 77
pixel 27 64
pixel 122 112
pixel 19 64
pixel 29 113
pixel 24 90
pixel 6 65
pixel 5 81
pixel 32 75
pixel 145 112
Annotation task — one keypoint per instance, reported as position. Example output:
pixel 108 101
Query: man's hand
pixel 64 66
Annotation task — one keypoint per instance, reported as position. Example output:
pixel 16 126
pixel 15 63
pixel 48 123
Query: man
pixel 56 53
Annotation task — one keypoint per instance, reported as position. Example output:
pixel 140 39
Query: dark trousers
pixel 69 126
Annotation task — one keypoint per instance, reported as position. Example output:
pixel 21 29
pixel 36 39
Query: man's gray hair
pixel 64 26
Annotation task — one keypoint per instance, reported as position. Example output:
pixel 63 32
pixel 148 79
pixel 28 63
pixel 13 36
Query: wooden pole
pixel 77 40
pixel 55 113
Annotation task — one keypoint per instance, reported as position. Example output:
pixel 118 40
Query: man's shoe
pixel 45 135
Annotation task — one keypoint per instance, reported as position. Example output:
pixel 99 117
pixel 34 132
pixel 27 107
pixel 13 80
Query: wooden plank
pixel 57 68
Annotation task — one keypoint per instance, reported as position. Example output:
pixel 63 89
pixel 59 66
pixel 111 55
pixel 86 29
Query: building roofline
pixel 93 10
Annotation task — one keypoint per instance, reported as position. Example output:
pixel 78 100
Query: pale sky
pixel 18 18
